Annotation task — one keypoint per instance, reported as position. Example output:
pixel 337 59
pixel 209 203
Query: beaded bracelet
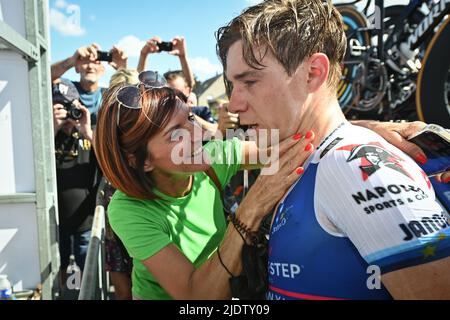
pixel 243 230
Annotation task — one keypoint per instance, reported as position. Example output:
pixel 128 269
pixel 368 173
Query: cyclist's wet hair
pixel 292 29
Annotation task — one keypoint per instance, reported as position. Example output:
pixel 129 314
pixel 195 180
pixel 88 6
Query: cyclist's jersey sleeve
pixel 380 199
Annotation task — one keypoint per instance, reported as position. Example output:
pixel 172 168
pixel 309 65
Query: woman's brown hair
pixel 115 146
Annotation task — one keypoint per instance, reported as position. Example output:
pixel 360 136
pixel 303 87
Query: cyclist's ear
pixel 318 68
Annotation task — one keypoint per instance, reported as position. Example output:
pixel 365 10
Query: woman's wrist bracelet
pixel 243 230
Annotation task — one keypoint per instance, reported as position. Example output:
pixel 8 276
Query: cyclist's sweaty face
pixel 266 98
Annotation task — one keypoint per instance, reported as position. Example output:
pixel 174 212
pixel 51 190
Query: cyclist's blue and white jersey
pixel 362 206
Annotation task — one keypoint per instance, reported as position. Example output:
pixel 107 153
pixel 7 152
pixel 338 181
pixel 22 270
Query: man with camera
pixel 69 115
pixel 77 173
pixel 87 61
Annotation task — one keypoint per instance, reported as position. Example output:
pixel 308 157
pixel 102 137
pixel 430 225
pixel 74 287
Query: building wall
pixel 216 90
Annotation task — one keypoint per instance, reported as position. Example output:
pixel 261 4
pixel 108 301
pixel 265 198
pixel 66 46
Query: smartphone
pixel 435 142
pixel 104 56
pixel 165 46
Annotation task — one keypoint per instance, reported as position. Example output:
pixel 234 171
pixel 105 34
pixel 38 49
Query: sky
pixel 77 23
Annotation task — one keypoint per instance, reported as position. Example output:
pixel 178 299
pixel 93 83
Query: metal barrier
pixel 94 284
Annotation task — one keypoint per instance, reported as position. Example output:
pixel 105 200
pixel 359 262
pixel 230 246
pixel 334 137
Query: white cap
pixel 3 276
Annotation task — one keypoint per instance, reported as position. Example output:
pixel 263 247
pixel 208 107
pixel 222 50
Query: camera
pixel 104 56
pixel 73 112
pixel 165 46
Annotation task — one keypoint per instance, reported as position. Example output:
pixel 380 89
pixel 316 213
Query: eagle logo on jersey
pixel 374 157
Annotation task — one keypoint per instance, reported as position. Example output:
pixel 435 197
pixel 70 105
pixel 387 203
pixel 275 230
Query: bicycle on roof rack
pixel 397 64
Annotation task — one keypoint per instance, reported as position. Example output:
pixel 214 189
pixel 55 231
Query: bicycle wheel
pixel 407 109
pixel 433 83
pixel 353 22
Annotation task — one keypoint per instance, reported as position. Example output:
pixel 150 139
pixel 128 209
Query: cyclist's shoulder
pixel 345 138
pixel 358 158
pixel 355 151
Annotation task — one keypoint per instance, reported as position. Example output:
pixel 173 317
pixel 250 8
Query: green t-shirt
pixel 194 223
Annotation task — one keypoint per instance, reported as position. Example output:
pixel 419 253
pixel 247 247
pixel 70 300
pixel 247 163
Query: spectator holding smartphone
pixel 181 80
pixel 86 61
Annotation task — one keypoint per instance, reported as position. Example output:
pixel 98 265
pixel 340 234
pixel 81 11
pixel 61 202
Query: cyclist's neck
pixel 322 117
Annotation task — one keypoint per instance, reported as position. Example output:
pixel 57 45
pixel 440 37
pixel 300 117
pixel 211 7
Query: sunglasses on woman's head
pixel 130 96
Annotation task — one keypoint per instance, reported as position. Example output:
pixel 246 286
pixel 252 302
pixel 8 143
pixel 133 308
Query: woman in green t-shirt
pixel 167 209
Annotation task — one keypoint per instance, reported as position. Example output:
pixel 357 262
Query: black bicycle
pixel 397 64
